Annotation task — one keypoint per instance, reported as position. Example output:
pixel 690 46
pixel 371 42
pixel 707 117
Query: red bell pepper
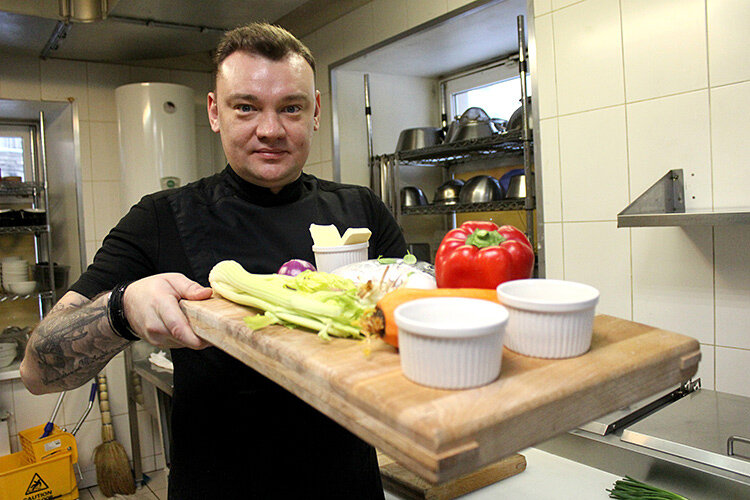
pixel 480 254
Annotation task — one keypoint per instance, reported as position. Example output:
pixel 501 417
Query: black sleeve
pixel 128 253
pixel 388 238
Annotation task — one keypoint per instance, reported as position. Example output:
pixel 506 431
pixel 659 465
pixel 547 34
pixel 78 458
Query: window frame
pixel 481 76
pixel 27 133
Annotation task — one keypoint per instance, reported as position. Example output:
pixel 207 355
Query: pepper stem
pixel 482 238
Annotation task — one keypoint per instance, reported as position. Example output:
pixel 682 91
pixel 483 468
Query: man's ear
pixel 316 116
pixel 212 107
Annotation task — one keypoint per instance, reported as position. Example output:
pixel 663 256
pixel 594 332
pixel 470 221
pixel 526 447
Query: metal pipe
pixel 529 203
pixel 45 186
pixel 368 117
pixel 443 108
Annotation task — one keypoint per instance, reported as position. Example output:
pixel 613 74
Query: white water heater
pixel 156 123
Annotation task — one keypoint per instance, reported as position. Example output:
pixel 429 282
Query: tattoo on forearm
pixel 72 344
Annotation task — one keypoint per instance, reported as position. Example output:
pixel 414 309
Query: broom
pixel 112 466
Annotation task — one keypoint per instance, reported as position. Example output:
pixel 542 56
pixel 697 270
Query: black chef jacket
pixel 235 433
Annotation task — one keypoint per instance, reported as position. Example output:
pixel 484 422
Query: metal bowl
pixel 412 196
pixel 480 189
pixel 516 187
pixel 470 130
pixel 473 124
pixel 417 138
pixel 447 193
pixel 515 122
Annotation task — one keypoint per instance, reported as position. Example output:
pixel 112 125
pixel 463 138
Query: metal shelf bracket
pixel 663 204
pixel 666 196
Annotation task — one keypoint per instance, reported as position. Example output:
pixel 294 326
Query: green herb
pixel 632 489
pixel 409 258
pixel 386 260
pixel 323 302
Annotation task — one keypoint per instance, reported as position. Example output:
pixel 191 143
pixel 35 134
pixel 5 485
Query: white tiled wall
pixel 641 87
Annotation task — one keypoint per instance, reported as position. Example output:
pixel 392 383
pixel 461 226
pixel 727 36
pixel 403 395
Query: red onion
pixel 294 267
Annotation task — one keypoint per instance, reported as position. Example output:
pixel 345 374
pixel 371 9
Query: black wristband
pixel 116 313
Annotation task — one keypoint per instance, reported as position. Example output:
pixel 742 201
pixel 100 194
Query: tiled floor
pixel 155 489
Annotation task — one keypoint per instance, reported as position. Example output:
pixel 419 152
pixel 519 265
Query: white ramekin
pixel 329 258
pixel 451 342
pixel 548 318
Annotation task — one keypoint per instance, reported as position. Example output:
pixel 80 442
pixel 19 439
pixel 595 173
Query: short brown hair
pixel 263 39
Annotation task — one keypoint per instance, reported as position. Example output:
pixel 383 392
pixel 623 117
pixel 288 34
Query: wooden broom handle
pixel 104 399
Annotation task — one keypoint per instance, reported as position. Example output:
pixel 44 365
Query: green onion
pixel 322 302
pixel 632 489
pixel 410 258
pixel 386 260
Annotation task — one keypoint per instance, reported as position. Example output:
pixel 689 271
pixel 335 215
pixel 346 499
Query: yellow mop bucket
pixel 43 469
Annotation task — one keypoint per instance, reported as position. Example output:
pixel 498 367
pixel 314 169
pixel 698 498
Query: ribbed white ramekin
pixel 451 342
pixel 548 318
pixel 329 258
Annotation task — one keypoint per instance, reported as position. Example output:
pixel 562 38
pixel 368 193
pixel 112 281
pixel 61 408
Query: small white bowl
pixel 22 287
pixel 548 318
pixel 6 360
pixel 329 258
pixel 451 342
pixel 6 347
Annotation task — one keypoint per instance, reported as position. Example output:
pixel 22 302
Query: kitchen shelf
pixel 490 206
pixel 498 150
pixel 663 204
pixel 24 229
pixel 11 372
pixel 7 297
pixel 509 144
pixel 19 188
pixel 33 192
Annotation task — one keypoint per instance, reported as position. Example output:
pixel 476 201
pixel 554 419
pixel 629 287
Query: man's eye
pixel 293 108
pixel 245 108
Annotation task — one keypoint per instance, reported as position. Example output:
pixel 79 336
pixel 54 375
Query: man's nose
pixel 270 126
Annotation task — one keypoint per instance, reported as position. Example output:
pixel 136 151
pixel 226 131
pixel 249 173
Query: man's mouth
pixel 270 153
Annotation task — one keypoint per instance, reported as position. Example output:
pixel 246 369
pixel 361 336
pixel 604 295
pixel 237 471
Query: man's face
pixel 266 112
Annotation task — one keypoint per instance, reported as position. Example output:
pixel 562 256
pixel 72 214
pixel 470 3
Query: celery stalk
pixel 321 302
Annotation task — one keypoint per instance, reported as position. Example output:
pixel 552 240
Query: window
pixel 495 89
pixel 15 151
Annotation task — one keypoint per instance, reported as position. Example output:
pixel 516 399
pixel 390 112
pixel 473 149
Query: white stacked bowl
pixel 14 270
pixel 8 353
pixel 548 318
pixel 451 342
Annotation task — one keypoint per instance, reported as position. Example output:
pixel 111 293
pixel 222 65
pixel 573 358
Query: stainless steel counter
pixel 698 427
pixel 664 448
pixel 162 379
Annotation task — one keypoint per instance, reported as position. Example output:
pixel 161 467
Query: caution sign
pixel 36 485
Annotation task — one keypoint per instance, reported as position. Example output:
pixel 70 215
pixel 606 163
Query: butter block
pixel 325 236
pixel 355 235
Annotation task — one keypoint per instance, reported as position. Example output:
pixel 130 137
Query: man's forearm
pixel 70 346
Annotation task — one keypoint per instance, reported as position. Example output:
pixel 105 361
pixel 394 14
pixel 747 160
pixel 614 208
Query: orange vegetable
pixel 383 322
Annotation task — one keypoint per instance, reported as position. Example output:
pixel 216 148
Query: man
pixel 235 433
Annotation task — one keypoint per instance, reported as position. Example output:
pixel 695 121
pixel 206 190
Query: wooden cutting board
pixel 397 479
pixel 443 434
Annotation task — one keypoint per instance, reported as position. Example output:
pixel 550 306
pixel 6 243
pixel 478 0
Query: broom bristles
pixel 113 469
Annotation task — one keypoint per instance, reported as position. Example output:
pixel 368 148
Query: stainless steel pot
pixel 417 138
pixel 516 187
pixel 412 196
pixel 448 192
pixel 481 188
pixel 515 121
pixel 473 124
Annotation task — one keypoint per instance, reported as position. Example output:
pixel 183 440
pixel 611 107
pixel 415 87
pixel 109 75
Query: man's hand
pixel 152 309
